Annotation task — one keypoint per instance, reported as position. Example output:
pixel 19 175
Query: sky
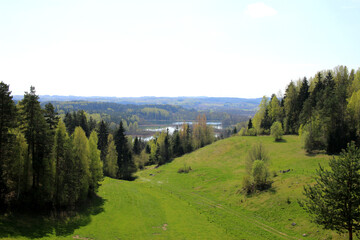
pixel 215 48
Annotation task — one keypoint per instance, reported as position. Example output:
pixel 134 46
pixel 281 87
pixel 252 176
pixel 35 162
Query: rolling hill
pixel 205 203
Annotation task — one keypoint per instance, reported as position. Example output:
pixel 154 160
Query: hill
pixel 198 103
pixel 204 204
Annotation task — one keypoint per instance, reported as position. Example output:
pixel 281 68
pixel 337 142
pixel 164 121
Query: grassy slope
pixel 206 203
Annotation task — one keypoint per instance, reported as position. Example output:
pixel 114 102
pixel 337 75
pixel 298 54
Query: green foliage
pixel 257 152
pixel 260 175
pixel 103 134
pixel 126 165
pixel 7 122
pixel 110 163
pixel 96 165
pixel 334 200
pixel 256 165
pixel 277 131
pixel 260 114
pixel 81 164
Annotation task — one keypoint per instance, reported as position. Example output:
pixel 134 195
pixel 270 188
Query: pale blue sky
pixel 173 48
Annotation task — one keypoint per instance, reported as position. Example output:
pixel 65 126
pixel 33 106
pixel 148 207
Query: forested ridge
pixel 51 162
pixel 324 110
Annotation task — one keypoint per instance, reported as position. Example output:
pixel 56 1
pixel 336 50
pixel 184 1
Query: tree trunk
pixel 350 233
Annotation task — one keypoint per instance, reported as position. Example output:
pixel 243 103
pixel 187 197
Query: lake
pixel 177 125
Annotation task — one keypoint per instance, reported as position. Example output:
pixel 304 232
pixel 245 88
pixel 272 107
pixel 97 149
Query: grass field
pixel 203 204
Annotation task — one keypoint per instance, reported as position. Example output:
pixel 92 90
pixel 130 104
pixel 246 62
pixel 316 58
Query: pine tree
pixel 38 139
pixel 177 148
pixel 103 140
pixel 136 146
pixel 83 123
pixel 334 200
pixel 250 125
pixel 125 162
pixel 7 122
pixel 51 116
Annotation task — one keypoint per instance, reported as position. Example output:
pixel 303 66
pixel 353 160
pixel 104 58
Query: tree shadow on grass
pixel 31 224
pixel 281 140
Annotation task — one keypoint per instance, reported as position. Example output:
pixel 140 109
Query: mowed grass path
pixel 206 203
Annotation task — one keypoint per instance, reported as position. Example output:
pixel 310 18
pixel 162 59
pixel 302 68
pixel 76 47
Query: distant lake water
pixel 177 125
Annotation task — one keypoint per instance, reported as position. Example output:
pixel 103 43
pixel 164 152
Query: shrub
pixel 277 131
pixel 184 169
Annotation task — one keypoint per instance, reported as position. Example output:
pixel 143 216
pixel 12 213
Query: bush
pixel 258 177
pixel 277 131
pixel 251 132
pixel 247 184
pixel 184 169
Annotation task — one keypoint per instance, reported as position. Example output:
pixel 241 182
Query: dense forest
pixel 324 110
pixel 51 162
pixel 134 115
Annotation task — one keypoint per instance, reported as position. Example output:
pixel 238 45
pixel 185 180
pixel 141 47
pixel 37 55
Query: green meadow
pixel 205 203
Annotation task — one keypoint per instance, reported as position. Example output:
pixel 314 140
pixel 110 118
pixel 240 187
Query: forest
pixel 324 110
pixel 51 162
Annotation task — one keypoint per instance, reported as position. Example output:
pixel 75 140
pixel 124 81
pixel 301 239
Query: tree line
pixel 46 163
pixel 324 111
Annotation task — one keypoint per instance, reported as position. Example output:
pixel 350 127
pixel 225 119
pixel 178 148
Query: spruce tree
pixel 126 166
pixel 7 121
pixel 103 140
pixel 51 116
pixel 136 146
pixel 38 139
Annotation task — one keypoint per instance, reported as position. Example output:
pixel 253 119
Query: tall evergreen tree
pixel 51 116
pixel 250 125
pixel 7 121
pixel 38 138
pixel 136 146
pixel 177 148
pixel 103 139
pixel 83 123
pixel 125 162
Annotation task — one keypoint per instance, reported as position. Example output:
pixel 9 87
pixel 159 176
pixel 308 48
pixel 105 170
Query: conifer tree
pixel 7 122
pixel 51 116
pixel 103 139
pixel 136 146
pixel 334 200
pixel 38 138
pixel 125 162
pixel 250 125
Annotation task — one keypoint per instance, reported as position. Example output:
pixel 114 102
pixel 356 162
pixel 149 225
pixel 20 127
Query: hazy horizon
pixel 242 49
